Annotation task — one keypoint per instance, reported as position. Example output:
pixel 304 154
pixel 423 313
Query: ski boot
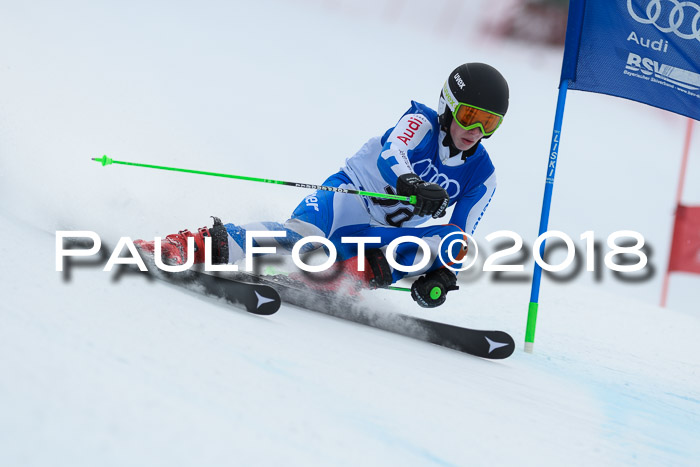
pixel 431 290
pixel 174 246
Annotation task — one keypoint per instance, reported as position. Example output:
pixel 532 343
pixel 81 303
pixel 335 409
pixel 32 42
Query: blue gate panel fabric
pixel 644 50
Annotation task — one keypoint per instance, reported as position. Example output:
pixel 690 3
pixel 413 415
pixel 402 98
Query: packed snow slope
pixel 102 369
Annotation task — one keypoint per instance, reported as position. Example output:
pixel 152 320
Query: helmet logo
pixel 460 83
pixel 449 98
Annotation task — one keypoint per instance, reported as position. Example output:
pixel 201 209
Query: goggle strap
pixel 452 103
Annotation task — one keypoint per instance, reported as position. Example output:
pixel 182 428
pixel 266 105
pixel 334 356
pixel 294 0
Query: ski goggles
pixel 470 117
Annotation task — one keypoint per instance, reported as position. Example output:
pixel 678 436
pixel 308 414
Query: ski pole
pixel 104 160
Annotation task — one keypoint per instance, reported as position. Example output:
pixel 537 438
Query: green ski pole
pixel 104 160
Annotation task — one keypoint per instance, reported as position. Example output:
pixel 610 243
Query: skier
pixel 438 157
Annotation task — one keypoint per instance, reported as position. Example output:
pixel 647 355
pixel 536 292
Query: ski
pixel 259 299
pixel 256 298
pixel 485 344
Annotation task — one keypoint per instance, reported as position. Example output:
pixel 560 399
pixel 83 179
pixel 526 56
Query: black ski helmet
pixel 476 84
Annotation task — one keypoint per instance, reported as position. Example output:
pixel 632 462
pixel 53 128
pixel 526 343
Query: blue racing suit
pixel 414 144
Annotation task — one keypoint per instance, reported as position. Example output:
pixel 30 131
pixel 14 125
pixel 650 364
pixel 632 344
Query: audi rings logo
pixel 670 16
pixel 427 171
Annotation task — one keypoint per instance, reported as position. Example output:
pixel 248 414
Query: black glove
pixel 431 290
pixel 431 199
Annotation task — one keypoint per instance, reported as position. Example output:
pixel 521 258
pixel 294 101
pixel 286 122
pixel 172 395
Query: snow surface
pixel 103 369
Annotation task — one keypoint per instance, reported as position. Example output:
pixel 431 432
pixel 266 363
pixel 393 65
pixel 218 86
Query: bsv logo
pixel 428 172
pixel 668 74
pixel 680 18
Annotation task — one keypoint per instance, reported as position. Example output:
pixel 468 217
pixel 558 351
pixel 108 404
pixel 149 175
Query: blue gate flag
pixel 644 50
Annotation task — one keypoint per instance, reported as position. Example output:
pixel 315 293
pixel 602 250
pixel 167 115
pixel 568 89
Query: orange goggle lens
pixel 470 117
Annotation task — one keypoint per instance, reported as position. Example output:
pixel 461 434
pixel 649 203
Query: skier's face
pixel 464 139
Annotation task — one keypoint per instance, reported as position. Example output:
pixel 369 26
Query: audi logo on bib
pixel 680 18
pixel 428 172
